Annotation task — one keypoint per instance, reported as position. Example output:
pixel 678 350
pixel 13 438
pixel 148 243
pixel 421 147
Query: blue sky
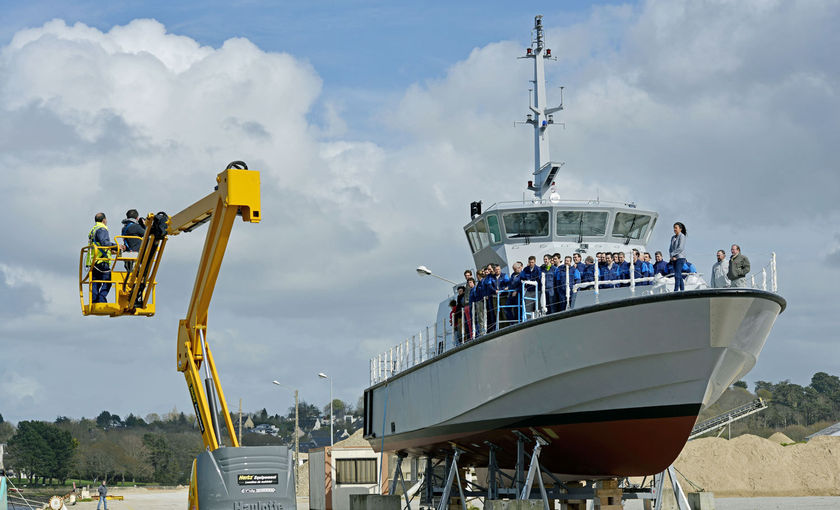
pixel 363 50
pixel 374 126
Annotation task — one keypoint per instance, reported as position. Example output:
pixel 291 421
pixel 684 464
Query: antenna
pixel 541 117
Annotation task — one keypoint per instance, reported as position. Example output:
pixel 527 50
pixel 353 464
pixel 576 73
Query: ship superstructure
pixel 610 386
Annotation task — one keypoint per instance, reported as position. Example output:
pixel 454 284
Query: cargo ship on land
pixel 612 385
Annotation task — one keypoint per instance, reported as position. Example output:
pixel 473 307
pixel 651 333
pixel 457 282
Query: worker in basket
pixel 98 258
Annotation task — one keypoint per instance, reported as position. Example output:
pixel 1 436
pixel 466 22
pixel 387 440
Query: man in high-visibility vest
pixel 100 264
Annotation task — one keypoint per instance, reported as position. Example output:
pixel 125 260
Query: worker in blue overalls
pixel 98 258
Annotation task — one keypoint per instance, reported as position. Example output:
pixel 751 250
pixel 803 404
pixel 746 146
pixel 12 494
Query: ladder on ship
pixel 723 420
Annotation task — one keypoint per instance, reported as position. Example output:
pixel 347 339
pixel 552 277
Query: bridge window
pixel 472 237
pixel 483 236
pixel 630 225
pixel 581 223
pixel 495 232
pixel 526 224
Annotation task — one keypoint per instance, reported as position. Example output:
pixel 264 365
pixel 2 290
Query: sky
pixel 374 124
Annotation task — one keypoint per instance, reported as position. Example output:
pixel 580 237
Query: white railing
pixel 479 318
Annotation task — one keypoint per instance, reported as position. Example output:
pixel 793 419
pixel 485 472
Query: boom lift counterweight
pixel 260 475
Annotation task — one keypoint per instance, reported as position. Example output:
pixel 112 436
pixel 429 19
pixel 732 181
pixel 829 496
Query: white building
pixel 345 470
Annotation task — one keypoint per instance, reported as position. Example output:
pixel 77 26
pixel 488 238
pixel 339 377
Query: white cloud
pixel 691 108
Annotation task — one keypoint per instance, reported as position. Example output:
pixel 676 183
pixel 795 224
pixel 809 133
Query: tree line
pixel 154 449
pixel 793 409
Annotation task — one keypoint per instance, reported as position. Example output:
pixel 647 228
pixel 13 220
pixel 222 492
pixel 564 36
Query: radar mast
pixel 541 116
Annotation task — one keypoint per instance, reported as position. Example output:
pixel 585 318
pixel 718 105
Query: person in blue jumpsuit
pixel 489 291
pixel 100 265
pixel 515 295
pixel 588 273
pixel 660 267
pixel 578 263
pixel 609 271
pixel 502 284
pixel 574 277
pixel 531 273
pixel 623 269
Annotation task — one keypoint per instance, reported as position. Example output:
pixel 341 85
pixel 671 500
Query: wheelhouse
pixel 504 230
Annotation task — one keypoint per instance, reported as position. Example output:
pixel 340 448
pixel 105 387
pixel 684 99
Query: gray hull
pixel 590 381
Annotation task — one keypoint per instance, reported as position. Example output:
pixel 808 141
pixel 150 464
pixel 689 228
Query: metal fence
pixel 498 311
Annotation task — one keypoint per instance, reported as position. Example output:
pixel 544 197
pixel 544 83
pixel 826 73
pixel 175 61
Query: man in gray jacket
pixel 719 271
pixel 103 493
pixel 739 266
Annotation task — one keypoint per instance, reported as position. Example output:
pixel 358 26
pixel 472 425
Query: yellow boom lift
pixel 252 477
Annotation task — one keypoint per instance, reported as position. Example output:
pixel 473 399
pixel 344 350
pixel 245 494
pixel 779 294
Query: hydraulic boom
pixel 244 476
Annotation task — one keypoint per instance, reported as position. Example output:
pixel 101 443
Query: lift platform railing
pixel 134 284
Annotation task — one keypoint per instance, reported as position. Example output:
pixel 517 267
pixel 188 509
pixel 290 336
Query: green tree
pixel 740 384
pixel 308 413
pixel 6 431
pixel 42 450
pixel 104 419
pixel 339 408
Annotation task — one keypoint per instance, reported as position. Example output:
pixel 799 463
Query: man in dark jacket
pixel 132 227
pixel 739 266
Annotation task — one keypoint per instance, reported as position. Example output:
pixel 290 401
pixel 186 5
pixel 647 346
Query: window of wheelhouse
pixel 581 223
pixel 631 225
pixel 472 237
pixel 483 235
pixel 526 224
pixel 493 228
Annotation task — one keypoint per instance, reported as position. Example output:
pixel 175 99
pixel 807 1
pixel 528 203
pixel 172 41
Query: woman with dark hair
pixel 677 252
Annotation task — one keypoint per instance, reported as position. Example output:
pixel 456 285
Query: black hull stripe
pixel 547 420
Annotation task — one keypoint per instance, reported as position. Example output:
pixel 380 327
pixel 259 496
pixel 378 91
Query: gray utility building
pixel 336 472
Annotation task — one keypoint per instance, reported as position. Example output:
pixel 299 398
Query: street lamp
pixel 297 439
pixel 332 419
pixel 425 271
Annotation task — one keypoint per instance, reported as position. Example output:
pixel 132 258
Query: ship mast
pixel 541 116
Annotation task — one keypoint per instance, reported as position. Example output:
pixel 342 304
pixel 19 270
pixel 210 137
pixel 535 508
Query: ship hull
pixel 615 388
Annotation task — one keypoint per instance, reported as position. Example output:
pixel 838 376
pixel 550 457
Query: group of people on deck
pixel 492 299
pixel 502 294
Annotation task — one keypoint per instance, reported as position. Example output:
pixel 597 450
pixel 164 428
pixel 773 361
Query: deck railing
pixel 482 317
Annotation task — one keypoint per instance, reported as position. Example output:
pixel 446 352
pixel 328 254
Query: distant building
pixel 833 430
pixel 265 428
pixel 249 423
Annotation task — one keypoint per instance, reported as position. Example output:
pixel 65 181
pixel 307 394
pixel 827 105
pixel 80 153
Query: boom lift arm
pixel 242 476
pixel 237 193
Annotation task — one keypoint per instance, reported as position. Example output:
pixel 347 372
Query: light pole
pixel 332 419
pixel 425 271
pixel 297 439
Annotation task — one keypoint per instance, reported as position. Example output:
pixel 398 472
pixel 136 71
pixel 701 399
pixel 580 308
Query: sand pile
pixel 780 438
pixel 752 466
